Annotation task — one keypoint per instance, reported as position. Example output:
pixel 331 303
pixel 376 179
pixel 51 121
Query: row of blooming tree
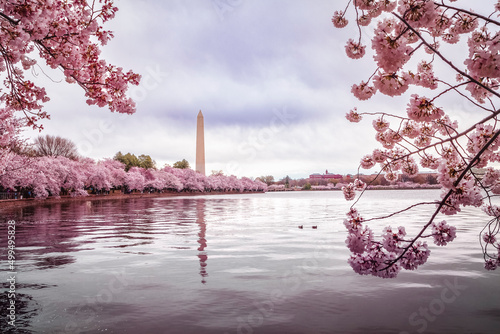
pixel 53 176
pixel 416 44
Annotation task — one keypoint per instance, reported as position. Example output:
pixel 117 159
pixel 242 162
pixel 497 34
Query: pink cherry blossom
pixel 409 167
pixel 363 91
pixel 378 156
pixel 392 240
pixel 416 255
pixel 443 233
pixel 359 185
pixel 391 176
pixel 489 238
pixel 349 192
pixel 491 264
pixel 359 238
pixel 367 162
pixel 67 37
pixel 419 13
pixel 425 76
pixel 429 161
pixel 389 138
pixel 451 37
pixel 364 20
pixel 353 116
pixel 391 83
pixel 492 210
pixel 464 23
pixel 388 5
pixel 338 19
pixel 391 49
pixel 380 125
pixel 421 109
pixel 354 50
pixel 367 4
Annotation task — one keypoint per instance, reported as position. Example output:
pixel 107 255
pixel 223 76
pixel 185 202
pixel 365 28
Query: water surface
pixel 238 264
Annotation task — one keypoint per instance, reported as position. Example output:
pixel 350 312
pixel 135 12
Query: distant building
pixel 326 176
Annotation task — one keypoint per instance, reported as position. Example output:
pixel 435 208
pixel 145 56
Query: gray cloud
pixel 238 65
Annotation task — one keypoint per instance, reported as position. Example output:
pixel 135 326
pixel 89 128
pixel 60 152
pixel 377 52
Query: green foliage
pixel 146 162
pixel 130 160
pixel 269 179
pixel 183 164
pixel 306 186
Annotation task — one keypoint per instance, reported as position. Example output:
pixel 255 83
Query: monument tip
pixel 200 114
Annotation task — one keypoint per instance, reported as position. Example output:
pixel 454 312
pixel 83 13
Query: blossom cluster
pixel 395 40
pixel 48 176
pixel 350 189
pixel 384 258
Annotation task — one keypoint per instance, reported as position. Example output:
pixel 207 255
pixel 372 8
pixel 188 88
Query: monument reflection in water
pixel 202 255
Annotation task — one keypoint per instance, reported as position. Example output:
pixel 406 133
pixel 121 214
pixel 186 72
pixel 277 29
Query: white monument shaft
pixel 200 145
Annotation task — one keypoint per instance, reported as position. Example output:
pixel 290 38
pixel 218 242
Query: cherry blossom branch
pixel 462 94
pixel 357 21
pixel 445 59
pixel 10 20
pixel 441 141
pixel 446 197
pixel 442 4
pixel 400 211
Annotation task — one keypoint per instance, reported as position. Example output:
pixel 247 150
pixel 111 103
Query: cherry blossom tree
pixel 65 35
pixel 116 171
pixel 134 179
pixel 216 182
pixel 78 173
pixel 249 184
pixel 416 45
pixel 167 181
pixel 13 170
pixel 192 180
pixel 99 178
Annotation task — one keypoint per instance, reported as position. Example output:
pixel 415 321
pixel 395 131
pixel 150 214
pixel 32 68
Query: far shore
pixel 15 203
pixel 369 188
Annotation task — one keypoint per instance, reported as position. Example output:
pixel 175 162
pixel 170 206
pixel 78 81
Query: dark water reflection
pixel 236 264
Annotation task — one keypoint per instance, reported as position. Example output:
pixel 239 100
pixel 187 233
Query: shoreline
pixel 16 203
pixel 369 188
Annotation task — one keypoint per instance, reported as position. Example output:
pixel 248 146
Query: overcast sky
pixel 271 78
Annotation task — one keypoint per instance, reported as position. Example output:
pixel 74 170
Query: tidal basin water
pixel 237 264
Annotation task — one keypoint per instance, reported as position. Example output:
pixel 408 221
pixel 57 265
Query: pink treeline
pixel 55 176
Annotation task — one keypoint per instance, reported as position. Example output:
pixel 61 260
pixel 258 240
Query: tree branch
pixel 487 19
pixel 447 196
pixel 444 59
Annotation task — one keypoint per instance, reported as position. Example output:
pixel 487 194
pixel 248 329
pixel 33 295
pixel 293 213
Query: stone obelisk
pixel 200 145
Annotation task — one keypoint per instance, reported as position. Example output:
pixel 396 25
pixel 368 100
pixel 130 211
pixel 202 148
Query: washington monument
pixel 200 145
